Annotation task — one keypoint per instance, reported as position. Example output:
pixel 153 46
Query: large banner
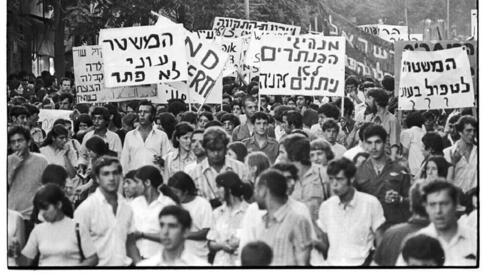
pixel 435 80
pixel 47 117
pixel 470 46
pixel 301 65
pixel 143 55
pixel 390 33
pixel 367 54
pixel 231 27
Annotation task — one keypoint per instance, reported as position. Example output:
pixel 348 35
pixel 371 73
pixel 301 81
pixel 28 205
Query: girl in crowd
pixel 59 241
pixel 203 118
pixel 56 151
pixel 178 159
pixel 200 210
pixel 223 235
pixel 321 152
pixel 237 151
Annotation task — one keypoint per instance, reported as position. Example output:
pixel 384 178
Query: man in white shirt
pixel 108 217
pixel 175 223
pixel 330 132
pixel 350 219
pixel 144 145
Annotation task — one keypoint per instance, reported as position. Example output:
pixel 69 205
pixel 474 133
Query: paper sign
pixel 231 27
pixel 47 117
pixel 435 80
pixel 143 55
pixel 389 33
pixel 179 90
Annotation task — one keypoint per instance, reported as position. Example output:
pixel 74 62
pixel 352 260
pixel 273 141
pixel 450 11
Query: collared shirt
pixel 270 147
pixel 461 250
pixel 390 124
pixel 392 177
pixel 350 228
pixel 312 188
pixel 185 259
pixel 204 176
pixel 202 217
pixel 288 233
pixel 352 152
pixel 242 132
pixel 225 228
pixel 108 231
pixel 175 161
pixel 111 138
pixel 465 171
pixel 56 156
pixel 137 153
pixel 146 221
pixel 412 140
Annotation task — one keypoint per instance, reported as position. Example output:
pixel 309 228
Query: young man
pixel 325 112
pixel 245 130
pixel 18 116
pixel 197 149
pixel 384 178
pixel 359 148
pixel 144 145
pixel 24 171
pixel 66 101
pixel 65 85
pixel 422 250
pixel 351 219
pixel 330 132
pixel 259 141
pixel 175 223
pixel 286 231
pixel 109 217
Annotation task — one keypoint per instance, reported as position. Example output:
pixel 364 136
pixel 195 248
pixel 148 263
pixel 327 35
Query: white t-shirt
pixel 202 217
pixel 412 140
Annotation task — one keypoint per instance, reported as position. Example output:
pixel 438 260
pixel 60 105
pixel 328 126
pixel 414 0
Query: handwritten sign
pixel 389 33
pixel 307 65
pixel 206 34
pixel 435 80
pixel 180 90
pixel 231 27
pixel 47 117
pixel 143 55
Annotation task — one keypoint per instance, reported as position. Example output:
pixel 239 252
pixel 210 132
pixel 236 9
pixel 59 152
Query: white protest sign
pixel 233 47
pixel 231 27
pixel 435 80
pixel 179 90
pixel 301 65
pixel 206 34
pixel 391 33
pixel 143 55
pixel 47 117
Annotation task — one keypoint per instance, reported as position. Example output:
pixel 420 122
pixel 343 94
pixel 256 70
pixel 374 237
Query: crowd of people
pixel 258 180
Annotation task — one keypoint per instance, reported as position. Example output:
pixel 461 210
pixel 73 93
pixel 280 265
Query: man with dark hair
pixel 330 132
pixel 293 121
pixel 458 242
pixel 144 145
pixel 245 130
pixel 377 99
pixel 422 250
pixel 109 217
pixel 325 112
pixel 24 171
pixel 351 85
pixel 204 173
pixel 383 178
pixel 65 86
pixel 359 148
pixel 286 231
pixel 257 254
pixel 197 149
pixel 463 155
pixel 388 84
pixel 230 121
pixel 391 242
pixel 451 134
pixel 259 141
pixel 351 219
pixel 303 102
pixel 66 101
pixel 33 115
pixel 177 107
pixel 19 115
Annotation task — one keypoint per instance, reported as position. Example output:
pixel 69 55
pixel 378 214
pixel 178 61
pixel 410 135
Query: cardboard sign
pixel 301 65
pixel 390 33
pixel 435 80
pixel 180 90
pixel 231 27
pixel 47 117
pixel 143 55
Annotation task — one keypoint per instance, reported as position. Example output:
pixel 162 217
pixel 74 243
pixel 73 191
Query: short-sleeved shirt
pixel 175 161
pixel 108 231
pixel 412 140
pixel 465 170
pixel 57 244
pixel 111 138
pixel 350 228
pixel 202 217
pixel 54 156
pixel 270 148
pixel 312 188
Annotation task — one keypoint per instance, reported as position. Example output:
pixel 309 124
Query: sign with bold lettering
pixel 47 117
pixel 231 27
pixel 206 34
pixel 143 55
pixel 301 65
pixel 435 80
pixel 389 33
pixel 179 90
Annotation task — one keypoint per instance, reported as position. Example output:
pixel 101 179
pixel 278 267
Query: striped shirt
pixel 204 176
pixel 175 162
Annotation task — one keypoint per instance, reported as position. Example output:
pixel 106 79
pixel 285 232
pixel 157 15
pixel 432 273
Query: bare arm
pixel 198 235
pixel 90 261
pixel 131 249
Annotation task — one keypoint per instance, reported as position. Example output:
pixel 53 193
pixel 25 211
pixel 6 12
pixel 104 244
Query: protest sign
pixel 180 90
pixel 435 80
pixel 143 55
pixel 435 46
pixel 232 27
pixel 301 65
pixel 390 33
pixel 233 47
pixel 206 34
pixel 367 54
pixel 47 117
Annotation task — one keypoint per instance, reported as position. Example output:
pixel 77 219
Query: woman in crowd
pixel 178 159
pixel 57 151
pixel 320 152
pixel 59 241
pixel 257 162
pixel 435 167
pixel 229 121
pixel 223 235
pixel 203 118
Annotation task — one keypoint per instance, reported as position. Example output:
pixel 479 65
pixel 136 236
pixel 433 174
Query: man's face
pixel 260 194
pixel 369 101
pixel 216 156
pixel 250 108
pixel 339 183
pixel 318 157
pixel 66 85
pixel 283 155
pixel 322 118
pixel 228 125
pixel 331 135
pixel 145 115
pixel 375 147
pixel 236 110
pixel 201 122
pixel 172 233
pixel 18 143
pixel 468 133
pixel 300 101
pixel 33 119
pixel 441 210
pixel 260 126
pixel 109 178
pixel 20 120
pixel 65 104
pixel 350 89
pixel 196 145
pixel 288 129
pixel 290 181
pixel 429 125
pixel 99 122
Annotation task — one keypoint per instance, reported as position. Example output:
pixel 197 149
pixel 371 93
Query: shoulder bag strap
pixel 80 251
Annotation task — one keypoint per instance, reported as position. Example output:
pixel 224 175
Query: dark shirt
pixel 393 177
pixel 270 148
pixel 388 250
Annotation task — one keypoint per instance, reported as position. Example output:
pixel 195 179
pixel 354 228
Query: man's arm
pixel 199 235
pixel 301 241
pixel 131 249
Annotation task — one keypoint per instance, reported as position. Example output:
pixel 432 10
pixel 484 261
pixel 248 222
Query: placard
pixel 47 117
pixel 232 27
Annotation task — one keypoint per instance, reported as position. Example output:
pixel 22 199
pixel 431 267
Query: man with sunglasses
pixel 108 217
